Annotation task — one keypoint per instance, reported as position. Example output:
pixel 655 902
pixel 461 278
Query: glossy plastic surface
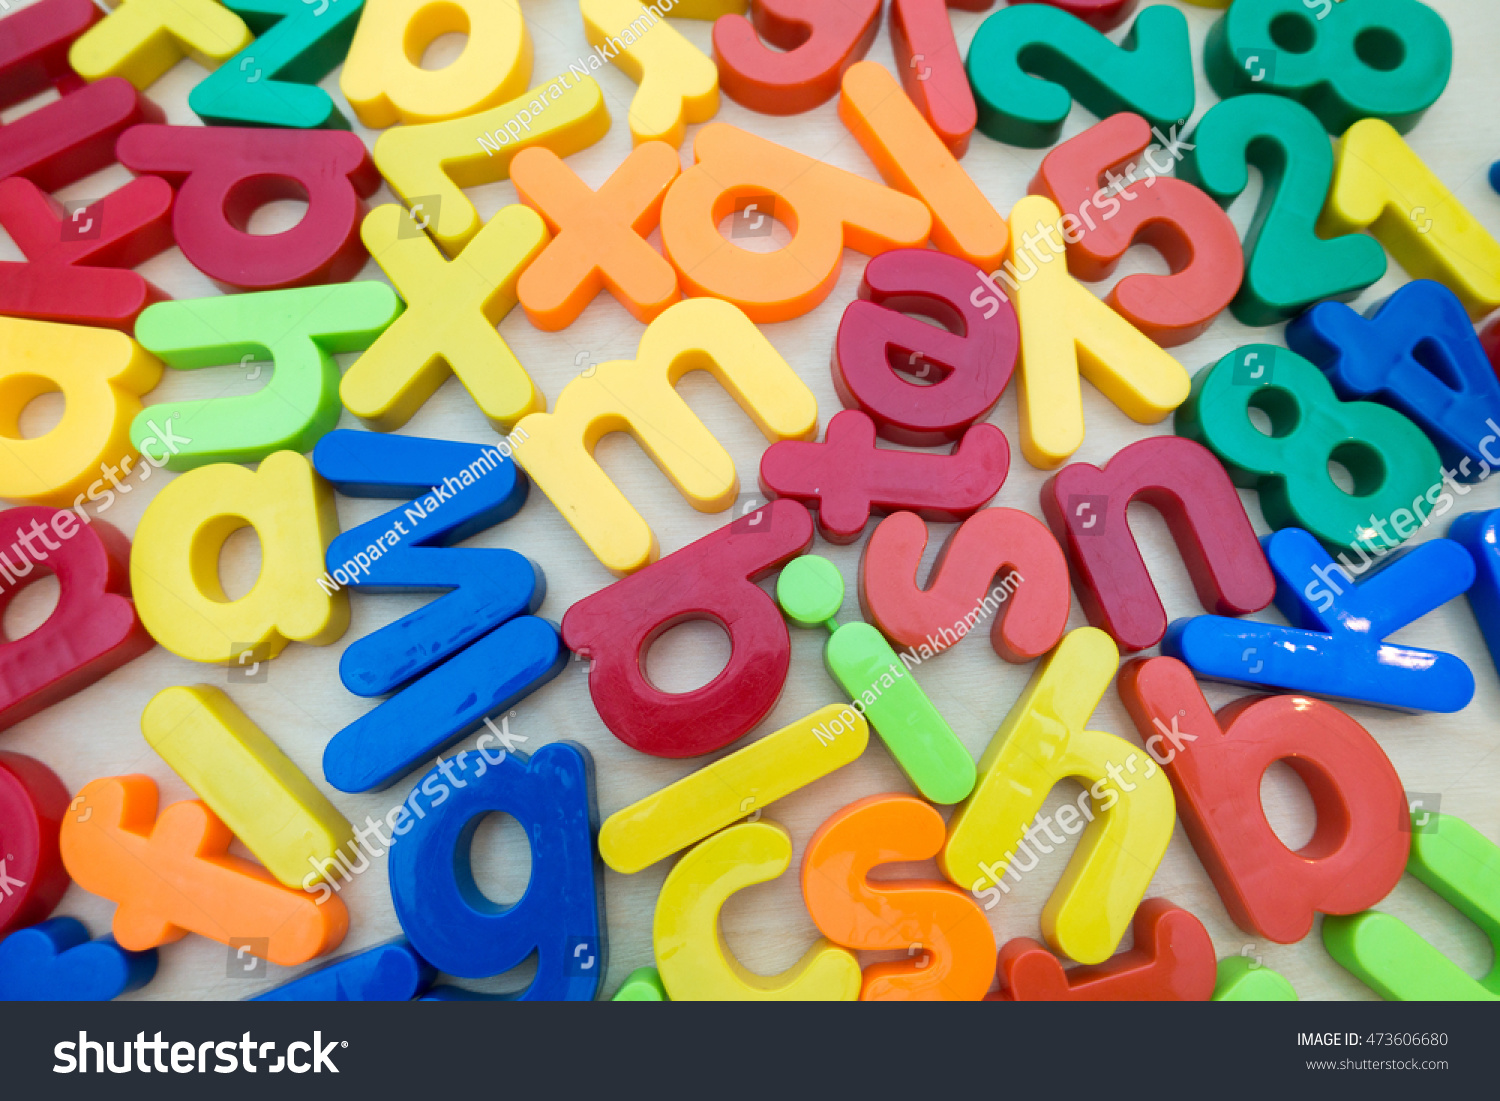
pixel 1336 645
pixel 714 579
pixel 56 962
pixel 1216 764
pixel 389 972
pixel 141 39
pixel 1088 509
pixel 679 84
pixel 810 48
pixel 33 802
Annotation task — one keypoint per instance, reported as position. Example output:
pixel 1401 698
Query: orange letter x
pixel 599 235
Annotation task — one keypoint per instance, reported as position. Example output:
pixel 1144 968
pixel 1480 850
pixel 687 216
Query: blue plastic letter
pixel 56 962
pixel 472 652
pixel 389 972
pixel 561 915
pixel 1417 353
pixel 1336 645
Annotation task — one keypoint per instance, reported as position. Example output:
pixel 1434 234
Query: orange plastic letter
pixel 826 209
pixel 950 931
pixel 173 875
pixel 599 236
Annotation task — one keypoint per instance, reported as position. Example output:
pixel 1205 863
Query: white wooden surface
pixel 302 704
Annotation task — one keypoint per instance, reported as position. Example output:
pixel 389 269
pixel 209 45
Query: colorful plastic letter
pixel 637 396
pixel 1384 59
pixel 932 69
pixel 1172 961
pixel 1479 534
pixel 427 165
pixel 385 83
pixel 472 652
pixel 1215 764
pixel 847 477
pixel 1336 644
pixel 1193 235
pixel 1288 264
pixel 1066 332
pixel 1381 185
pixel 1461 865
pixel 92 631
pixel 1393 465
pixel 1102 15
pixel 560 918
pixel 174 563
pixel 814 45
pixel 694 961
pixel 274 80
pixel 73 272
pixel 678 82
pixel 1040 742
pixel 56 962
pixel 450 324
pixel 1241 979
pixel 1450 391
pixel 299 330
pixel 74 136
pixel 967 363
pixel 223 174
pixel 811 592
pixel 33 802
pixel 101 375
pixel 918 915
pixel 911 159
pixel 715 579
pixel 246 780
pixel 389 972
pixel 746 781
pixel 1027 63
pixel 642 985
pixel 173 875
pixel 1088 508
pixel 141 39
pixel 995 542
pixel 827 209
pixel 599 236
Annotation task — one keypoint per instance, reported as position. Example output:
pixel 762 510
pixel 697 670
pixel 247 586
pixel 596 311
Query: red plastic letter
pixel 711 579
pixel 1086 506
pixel 93 630
pixel 932 69
pixel 819 41
pixel 849 477
pixel 72 137
pixel 1172 961
pixel 968 366
pixel 223 174
pixel 77 269
pixel 1215 764
pixel 32 878
pixel 1189 229
pixel 1102 15
pixel 993 541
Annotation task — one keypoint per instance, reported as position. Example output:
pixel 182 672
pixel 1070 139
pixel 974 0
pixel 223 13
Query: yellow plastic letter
pixel 429 164
pixel 1041 741
pixel 141 39
pixel 695 963
pixel 1379 184
pixel 383 77
pixel 637 396
pixel 101 375
pixel 174 564
pixel 452 308
pixel 732 787
pixel 1066 331
pixel 245 778
pixel 678 83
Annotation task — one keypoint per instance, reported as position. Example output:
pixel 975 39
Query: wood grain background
pixel 302 704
